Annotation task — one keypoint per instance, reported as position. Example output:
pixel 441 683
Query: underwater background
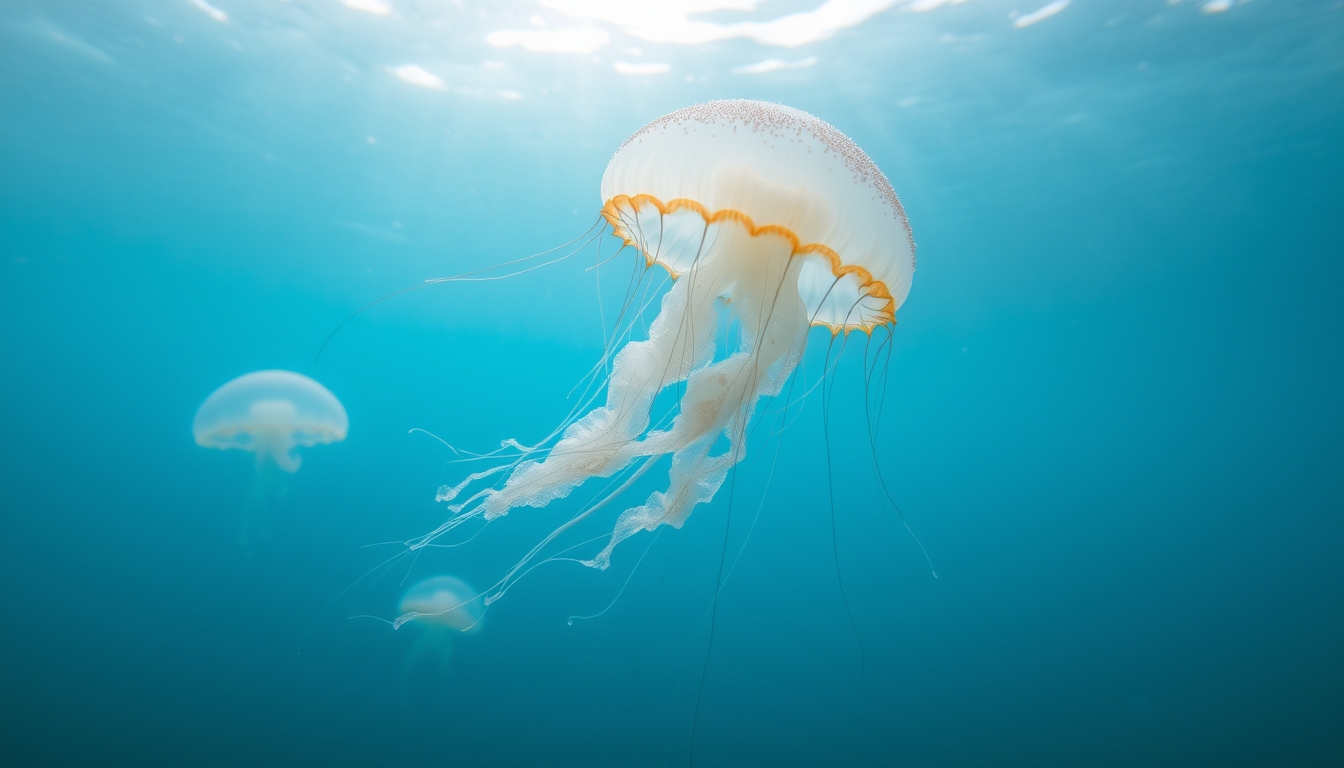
pixel 1113 410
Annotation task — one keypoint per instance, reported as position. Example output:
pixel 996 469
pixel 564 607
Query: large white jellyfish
pixel 758 207
pixel 270 413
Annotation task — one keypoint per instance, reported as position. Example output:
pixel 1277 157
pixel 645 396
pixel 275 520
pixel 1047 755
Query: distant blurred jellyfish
pixel 270 413
pixel 758 212
pixel 442 601
pixel 443 607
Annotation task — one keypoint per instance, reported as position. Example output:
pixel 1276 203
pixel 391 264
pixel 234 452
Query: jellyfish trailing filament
pixel 754 208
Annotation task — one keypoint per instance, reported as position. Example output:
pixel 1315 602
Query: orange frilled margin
pixel 867 283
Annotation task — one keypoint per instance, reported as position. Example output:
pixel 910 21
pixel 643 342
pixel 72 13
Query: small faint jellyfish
pixel 271 414
pixel 442 601
pixel 442 607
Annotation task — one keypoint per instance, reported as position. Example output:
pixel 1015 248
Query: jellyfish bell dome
pixel 677 186
pixel 271 414
pixel 443 601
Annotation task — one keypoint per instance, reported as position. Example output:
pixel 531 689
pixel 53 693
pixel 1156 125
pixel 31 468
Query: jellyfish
pixel 442 601
pixel 755 209
pixel 271 414
pixel 443 607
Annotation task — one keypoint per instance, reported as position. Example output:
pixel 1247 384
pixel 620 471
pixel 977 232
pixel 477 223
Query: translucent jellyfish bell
pixel 270 413
pixel 442 601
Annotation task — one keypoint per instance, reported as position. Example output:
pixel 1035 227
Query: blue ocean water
pixel 1112 414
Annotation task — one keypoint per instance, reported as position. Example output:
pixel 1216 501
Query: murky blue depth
pixel 1112 411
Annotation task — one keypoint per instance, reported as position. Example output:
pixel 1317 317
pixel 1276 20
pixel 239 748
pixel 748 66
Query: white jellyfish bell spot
pixel 752 208
pixel 271 414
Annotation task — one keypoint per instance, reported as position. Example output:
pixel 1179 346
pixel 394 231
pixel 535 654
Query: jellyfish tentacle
pixel 508 576
pixel 722 582
pixel 501 588
pixel 448 494
pixel 599 443
pixel 872 445
pixel 826 394
pixel 448 525
pixel 624 584
pixel 719 397
pixel 579 407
